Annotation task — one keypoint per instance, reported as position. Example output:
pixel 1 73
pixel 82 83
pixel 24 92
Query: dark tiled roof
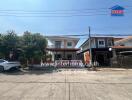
pixel 122 47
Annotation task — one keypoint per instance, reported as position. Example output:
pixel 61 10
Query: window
pixel 101 43
pixel 57 44
pixel 69 44
pixel 58 57
pixel 122 44
pixel 110 43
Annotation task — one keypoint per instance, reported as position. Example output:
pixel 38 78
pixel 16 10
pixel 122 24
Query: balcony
pixel 55 46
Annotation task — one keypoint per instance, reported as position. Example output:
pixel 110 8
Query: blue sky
pixel 100 24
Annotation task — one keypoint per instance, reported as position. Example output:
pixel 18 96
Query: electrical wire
pixel 71 10
pixel 51 16
pixel 56 13
pixel 52 12
pixel 78 35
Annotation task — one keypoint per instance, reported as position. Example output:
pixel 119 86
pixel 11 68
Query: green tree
pixel 9 44
pixel 1 47
pixel 28 47
pixel 34 46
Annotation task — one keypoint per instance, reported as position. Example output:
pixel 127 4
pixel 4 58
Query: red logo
pixel 117 11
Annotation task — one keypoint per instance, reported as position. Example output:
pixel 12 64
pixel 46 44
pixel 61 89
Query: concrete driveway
pixel 67 84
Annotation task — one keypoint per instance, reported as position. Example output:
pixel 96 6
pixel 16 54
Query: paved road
pixel 67 85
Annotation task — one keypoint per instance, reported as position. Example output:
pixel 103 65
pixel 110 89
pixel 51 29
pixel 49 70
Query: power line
pixel 71 10
pixel 55 13
pixel 92 35
pixel 52 16
pixel 29 13
pixel 70 15
pixel 45 14
pixel 75 35
pixel 52 13
pixel 86 9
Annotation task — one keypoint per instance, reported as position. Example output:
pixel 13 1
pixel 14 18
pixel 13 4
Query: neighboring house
pixel 122 51
pixel 101 49
pixel 118 38
pixel 124 42
pixel 62 48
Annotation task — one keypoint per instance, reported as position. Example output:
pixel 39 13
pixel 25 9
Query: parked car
pixel 7 65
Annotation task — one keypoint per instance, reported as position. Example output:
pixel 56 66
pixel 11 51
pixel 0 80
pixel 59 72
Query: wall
pixel 107 40
pixel 86 45
pixel 63 43
pixel 121 61
pixel 127 42
pixel 94 43
pixel 64 56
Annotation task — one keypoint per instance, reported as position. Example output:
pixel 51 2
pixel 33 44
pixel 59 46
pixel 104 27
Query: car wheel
pixel 1 68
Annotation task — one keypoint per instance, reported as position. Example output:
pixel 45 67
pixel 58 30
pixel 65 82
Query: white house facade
pixel 62 48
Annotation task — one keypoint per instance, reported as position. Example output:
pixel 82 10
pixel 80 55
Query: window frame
pixel 101 45
pixel 70 45
pixel 56 44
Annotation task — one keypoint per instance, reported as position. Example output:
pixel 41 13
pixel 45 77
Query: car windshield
pixel 1 61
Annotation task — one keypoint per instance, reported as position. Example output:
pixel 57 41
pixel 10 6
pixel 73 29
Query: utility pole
pixel 90 48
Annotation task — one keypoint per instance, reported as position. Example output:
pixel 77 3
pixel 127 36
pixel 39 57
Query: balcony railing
pixel 62 46
pixel 54 46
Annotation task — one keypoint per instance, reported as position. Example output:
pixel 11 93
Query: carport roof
pixel 129 53
pixel 63 49
pixel 122 47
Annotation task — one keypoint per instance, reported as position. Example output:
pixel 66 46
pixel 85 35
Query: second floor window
pixel 69 44
pixel 57 44
pixel 101 43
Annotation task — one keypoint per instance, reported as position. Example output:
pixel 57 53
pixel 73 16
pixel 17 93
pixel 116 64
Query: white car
pixel 7 65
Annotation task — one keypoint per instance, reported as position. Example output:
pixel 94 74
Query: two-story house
pixel 62 48
pixel 100 48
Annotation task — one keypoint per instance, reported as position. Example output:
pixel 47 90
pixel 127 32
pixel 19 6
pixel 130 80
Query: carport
pixel 122 56
pixel 126 58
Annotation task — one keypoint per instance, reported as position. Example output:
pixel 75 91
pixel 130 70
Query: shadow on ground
pixel 36 71
pixel 49 70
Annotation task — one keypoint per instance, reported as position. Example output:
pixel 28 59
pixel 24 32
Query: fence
pixel 64 63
